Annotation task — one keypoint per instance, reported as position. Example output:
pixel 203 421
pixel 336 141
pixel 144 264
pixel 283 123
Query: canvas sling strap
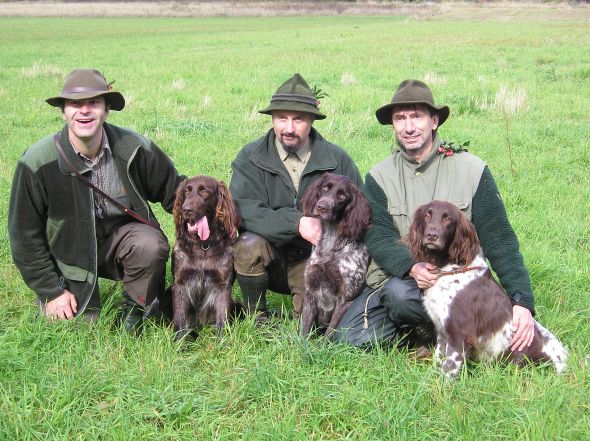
pixel 85 181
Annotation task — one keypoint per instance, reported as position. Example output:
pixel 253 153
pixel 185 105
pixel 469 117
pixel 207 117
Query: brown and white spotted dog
pixel 470 310
pixel 335 272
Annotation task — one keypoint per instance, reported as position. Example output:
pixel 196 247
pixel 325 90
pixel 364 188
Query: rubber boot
pixel 253 292
pixel 131 315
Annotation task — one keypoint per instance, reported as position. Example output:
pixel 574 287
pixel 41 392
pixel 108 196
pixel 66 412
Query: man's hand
pixel 523 327
pixel 425 274
pixel 63 307
pixel 310 229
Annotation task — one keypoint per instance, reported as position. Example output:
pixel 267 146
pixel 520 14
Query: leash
pixel 86 182
pixel 460 270
pixel 366 311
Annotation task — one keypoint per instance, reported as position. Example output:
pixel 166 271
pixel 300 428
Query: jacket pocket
pixel 75 273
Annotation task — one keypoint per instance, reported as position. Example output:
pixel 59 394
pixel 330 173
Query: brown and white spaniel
pixel 470 310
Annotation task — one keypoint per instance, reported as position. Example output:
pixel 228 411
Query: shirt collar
pixel 302 154
pixel 104 150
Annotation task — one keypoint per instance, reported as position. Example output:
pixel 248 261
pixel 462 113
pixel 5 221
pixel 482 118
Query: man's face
pixel 291 128
pixel 84 118
pixel 413 128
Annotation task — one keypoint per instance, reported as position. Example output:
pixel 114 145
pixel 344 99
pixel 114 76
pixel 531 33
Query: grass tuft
pixel 510 101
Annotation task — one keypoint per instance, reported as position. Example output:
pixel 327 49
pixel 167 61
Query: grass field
pixel 518 91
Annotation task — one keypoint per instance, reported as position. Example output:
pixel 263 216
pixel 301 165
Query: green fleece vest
pixel 408 184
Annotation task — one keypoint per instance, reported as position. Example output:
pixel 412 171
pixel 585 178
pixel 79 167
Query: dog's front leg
pixel 339 311
pixel 440 350
pixel 180 305
pixel 309 313
pixel 223 303
pixel 454 359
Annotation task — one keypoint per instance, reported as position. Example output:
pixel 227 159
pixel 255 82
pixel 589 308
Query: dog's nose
pixel 187 211
pixel 432 236
pixel 321 206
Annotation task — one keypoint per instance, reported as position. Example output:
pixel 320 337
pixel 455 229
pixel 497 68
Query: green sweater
pixel 485 209
pixel 264 193
pixel 51 220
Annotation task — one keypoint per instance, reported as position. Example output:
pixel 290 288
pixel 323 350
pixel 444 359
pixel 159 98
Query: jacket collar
pixel 265 155
pixel 122 148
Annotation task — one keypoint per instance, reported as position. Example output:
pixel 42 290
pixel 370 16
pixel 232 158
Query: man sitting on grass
pixel 65 233
pixel 424 168
pixel 270 175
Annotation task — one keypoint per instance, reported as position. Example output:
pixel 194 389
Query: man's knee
pixel 146 249
pixel 402 300
pixel 152 251
pixel 252 254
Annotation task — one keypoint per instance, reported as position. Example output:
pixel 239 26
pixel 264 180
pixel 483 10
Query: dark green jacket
pixel 51 220
pixel 264 193
pixel 488 215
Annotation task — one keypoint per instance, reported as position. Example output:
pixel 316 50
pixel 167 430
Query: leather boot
pixel 253 292
pixel 131 315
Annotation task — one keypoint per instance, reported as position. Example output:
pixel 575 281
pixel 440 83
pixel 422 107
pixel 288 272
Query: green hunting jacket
pixel 396 186
pixel 265 195
pixel 51 217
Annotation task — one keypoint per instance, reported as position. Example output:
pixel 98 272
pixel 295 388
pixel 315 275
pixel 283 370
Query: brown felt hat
pixel 88 83
pixel 294 95
pixel 412 92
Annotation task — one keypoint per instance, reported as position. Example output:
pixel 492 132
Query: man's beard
pixel 291 148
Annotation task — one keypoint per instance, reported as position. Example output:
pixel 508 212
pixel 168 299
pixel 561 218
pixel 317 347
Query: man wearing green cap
pixel 79 207
pixel 270 175
pixel 424 168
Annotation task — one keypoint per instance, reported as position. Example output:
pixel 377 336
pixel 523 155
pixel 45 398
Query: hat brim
pixel 293 107
pixel 383 114
pixel 115 99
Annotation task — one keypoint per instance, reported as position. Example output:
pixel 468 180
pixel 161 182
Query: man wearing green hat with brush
pixel 270 175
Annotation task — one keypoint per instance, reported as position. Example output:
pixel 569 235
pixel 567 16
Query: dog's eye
pixel 427 216
pixel 447 219
pixel 341 195
pixel 326 188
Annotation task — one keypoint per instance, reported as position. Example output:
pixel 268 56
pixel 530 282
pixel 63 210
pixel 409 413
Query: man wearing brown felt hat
pixel 422 168
pixel 269 177
pixel 79 208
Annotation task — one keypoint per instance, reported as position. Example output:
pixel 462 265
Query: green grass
pixel 194 86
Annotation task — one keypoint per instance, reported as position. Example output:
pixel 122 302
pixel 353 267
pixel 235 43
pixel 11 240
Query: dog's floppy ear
pixel 357 215
pixel 465 245
pixel 310 198
pixel 226 211
pixel 177 210
pixel 414 237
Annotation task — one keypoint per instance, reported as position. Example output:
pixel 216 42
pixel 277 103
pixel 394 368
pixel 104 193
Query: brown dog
pixel 206 221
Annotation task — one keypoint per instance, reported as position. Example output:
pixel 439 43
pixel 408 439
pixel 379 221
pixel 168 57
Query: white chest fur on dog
pixel 438 299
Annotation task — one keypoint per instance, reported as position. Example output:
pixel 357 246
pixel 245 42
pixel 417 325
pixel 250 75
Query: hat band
pixel 295 97
pixel 82 90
